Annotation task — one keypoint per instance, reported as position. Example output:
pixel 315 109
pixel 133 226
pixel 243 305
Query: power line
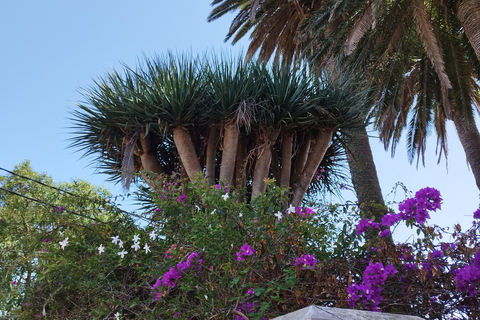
pixel 48 204
pixel 39 182
pixel 102 201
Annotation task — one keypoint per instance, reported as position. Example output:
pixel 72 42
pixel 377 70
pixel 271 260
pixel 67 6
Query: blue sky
pixel 52 49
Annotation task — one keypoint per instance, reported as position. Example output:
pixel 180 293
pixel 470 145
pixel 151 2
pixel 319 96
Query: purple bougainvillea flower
pixel 385 233
pixel 365 224
pixel 182 197
pixel 306 262
pixel 250 291
pixel 245 250
pixel 476 214
pixel 391 218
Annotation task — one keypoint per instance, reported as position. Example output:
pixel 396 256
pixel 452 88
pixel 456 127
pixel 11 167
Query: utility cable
pixel 72 194
pixel 48 204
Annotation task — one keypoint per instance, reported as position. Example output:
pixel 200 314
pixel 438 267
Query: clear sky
pixel 52 48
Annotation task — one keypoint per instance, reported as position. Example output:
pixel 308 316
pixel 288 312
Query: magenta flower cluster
pixel 182 198
pixel 425 200
pixel 245 250
pixel 306 262
pixel 417 208
pixel 306 214
pixel 467 278
pixel 370 290
pixel 170 277
pixel 246 309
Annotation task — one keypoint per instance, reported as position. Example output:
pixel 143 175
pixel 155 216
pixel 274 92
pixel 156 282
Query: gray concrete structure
pixel 326 313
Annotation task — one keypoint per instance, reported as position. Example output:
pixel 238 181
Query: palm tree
pixel 422 56
pixel 163 114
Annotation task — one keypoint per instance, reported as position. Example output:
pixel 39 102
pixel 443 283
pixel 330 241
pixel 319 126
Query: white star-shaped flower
pixel 117 316
pixel 101 249
pixel 240 214
pixel 115 239
pixel 120 243
pixel 146 248
pixel 152 235
pixel 136 238
pixel 291 209
pixel 122 253
pixel 279 215
pixel 214 210
pixel 64 243
pixel 225 196
pixel 197 207
pixel 136 246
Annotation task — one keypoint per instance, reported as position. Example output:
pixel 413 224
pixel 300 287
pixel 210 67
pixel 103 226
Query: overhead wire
pixel 103 201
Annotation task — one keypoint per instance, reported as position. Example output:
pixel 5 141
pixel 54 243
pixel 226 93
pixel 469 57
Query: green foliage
pixel 39 278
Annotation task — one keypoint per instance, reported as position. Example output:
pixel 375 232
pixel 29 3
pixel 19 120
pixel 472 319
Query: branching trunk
pixel 212 144
pixel 151 170
pixel 229 152
pixel 364 176
pixel 186 151
pixel 318 150
pixel 302 156
pixel 470 139
pixel 262 165
pixel 241 164
pixel 275 166
pixel 287 148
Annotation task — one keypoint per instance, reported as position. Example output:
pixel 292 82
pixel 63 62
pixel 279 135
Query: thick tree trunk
pixel 186 151
pixel 229 152
pixel 470 139
pixel 275 166
pixel 212 144
pixel 302 156
pixel 150 168
pixel 468 13
pixel 364 176
pixel 262 165
pixel 318 150
pixel 241 164
pixel 287 148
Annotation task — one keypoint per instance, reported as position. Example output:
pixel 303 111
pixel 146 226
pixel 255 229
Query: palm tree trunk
pixel 262 165
pixel 318 150
pixel 229 152
pixel 212 142
pixel 287 148
pixel 470 139
pixel 186 151
pixel 364 176
pixel 468 13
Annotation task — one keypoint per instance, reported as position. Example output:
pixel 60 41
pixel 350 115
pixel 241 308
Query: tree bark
pixel 364 176
pixel 212 144
pixel 229 152
pixel 470 139
pixel 468 13
pixel 148 156
pixel 241 164
pixel 186 151
pixel 286 170
pixel 262 165
pixel 318 150
pixel 302 156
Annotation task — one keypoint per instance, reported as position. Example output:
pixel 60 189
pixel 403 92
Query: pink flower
pixel 182 197
pixel 476 214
